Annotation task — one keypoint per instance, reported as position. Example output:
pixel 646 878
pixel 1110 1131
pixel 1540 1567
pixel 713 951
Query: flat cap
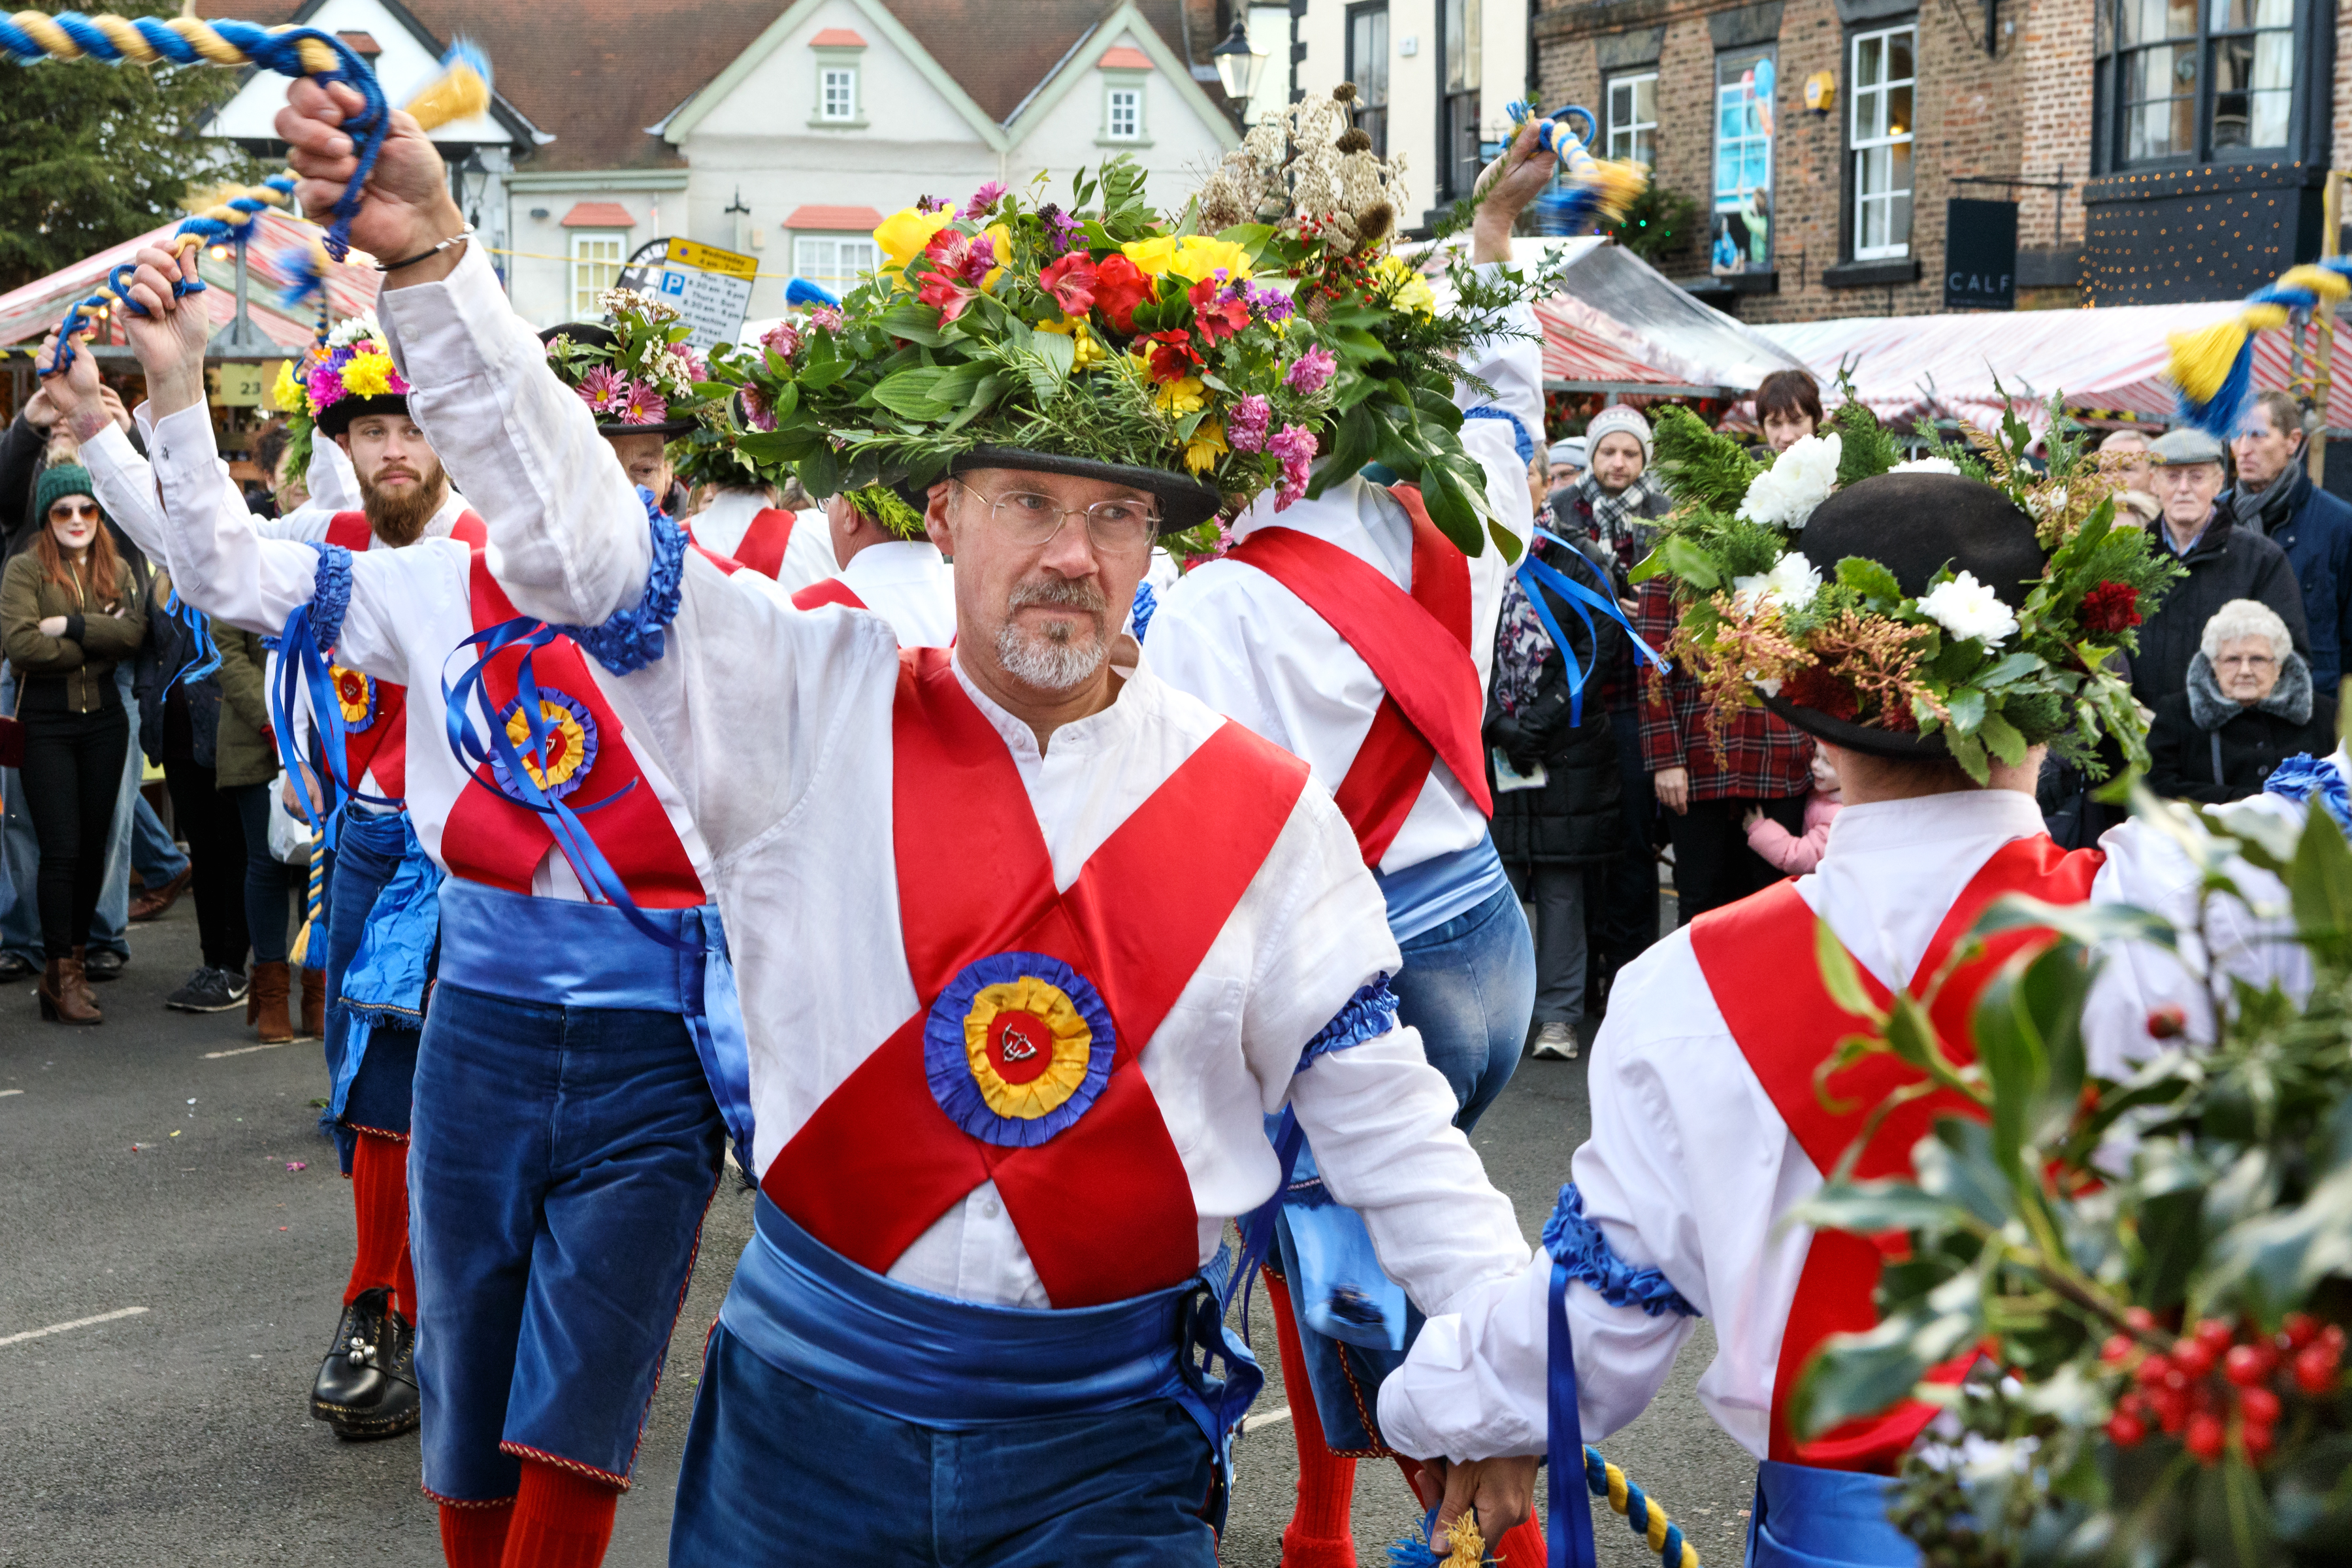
pixel 2187 445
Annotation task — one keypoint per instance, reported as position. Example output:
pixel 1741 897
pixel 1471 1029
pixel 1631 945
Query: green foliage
pixel 1656 223
pixel 1865 448
pixel 1698 467
pixel 2091 1231
pixel 98 153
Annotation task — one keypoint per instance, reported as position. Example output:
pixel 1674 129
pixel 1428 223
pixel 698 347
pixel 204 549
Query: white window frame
pixel 1113 92
pixel 1630 133
pixel 592 271
pixel 848 255
pixel 828 76
pixel 1881 93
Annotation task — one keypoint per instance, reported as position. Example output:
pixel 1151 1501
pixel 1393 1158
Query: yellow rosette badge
pixel 1027 1045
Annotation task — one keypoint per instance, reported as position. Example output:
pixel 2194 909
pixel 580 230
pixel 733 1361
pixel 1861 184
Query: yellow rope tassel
pixel 2201 360
pixel 314 904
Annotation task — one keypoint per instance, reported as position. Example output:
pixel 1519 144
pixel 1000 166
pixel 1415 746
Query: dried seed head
pixel 1355 140
pixel 1345 92
pixel 1373 224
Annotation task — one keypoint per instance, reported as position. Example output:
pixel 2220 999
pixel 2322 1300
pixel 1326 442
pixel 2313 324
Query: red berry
pixel 2259 1406
pixel 2152 1372
pixel 2332 1336
pixel 2215 1335
pixel 2139 1320
pixel 2243 1365
pixel 2117 1348
pixel 2205 1437
pixel 2168 1022
pixel 2194 1357
pixel 2132 1404
pixel 2126 1431
pixel 2259 1440
pixel 2315 1370
pixel 2171 1410
pixel 2301 1329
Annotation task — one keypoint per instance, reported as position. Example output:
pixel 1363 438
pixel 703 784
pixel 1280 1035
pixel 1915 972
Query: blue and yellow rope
pixel 1595 190
pixel 1604 1479
pixel 2214 367
pixel 314 907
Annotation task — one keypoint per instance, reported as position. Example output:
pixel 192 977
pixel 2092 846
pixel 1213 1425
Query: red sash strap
pixel 350 530
pixel 1104 1208
pixel 1759 959
pixel 492 839
pixel 831 590
pixel 1418 644
pixel 762 546
pixel 381 748
pixel 726 564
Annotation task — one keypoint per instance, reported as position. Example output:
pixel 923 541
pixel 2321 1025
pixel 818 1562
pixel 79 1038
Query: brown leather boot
pixel 65 995
pixel 267 1007
pixel 80 973
pixel 314 1003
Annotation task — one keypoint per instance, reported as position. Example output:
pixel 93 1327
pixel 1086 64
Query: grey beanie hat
pixel 1619 419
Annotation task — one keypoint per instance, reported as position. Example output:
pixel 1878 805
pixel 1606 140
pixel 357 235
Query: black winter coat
pixel 1574 818
pixel 2199 732
pixel 2227 562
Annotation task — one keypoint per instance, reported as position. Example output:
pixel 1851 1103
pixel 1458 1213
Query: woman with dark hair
pixel 1789 408
pixel 69 613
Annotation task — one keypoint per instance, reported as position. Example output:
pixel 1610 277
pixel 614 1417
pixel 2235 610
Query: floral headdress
pixel 1835 586
pixel 1263 338
pixel 634 369
pixel 336 382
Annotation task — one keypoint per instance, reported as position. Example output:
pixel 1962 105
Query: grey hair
pixel 2246 619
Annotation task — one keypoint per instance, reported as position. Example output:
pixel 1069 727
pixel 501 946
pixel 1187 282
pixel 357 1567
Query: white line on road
pixel 247 1050
pixel 4 1093
pixel 1251 1422
pixel 77 1323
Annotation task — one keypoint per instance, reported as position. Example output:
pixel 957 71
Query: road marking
pixel 247 1050
pixel 4 1093
pixel 77 1323
pixel 1251 1422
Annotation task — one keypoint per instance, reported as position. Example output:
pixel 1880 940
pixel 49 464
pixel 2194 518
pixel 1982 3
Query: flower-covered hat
pixel 1262 339
pixel 350 375
pixel 634 368
pixel 1961 606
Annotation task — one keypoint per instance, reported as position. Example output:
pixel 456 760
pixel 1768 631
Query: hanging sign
pixel 712 289
pixel 1979 255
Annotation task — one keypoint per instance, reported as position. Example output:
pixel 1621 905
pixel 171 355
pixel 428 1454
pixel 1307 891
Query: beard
pixel 1049 659
pixel 398 516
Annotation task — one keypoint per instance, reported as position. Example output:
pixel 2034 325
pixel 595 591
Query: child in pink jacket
pixel 1791 854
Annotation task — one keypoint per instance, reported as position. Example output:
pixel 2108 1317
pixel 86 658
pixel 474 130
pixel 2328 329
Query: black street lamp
pixel 1238 63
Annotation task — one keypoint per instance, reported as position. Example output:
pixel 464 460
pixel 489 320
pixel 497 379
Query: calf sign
pixel 1980 256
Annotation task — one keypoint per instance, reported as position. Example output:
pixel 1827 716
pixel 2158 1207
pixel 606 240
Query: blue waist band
pixel 954 1366
pixel 1809 1518
pixel 1432 891
pixel 567 953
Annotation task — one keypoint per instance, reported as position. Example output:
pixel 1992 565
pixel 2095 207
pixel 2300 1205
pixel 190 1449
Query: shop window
pixel 1461 65
pixel 1633 118
pixel 1368 68
pixel 2181 82
pixel 595 267
pixel 1881 143
pixel 834 261
pixel 1742 237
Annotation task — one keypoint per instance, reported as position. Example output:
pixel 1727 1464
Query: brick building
pixel 1822 140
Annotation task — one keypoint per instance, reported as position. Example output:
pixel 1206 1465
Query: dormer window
pixel 840 81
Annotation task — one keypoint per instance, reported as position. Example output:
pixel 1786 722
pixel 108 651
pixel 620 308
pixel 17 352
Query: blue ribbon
pixel 1535 575
pixel 206 657
pixel 309 636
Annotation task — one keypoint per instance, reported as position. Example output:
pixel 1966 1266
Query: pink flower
pixel 1215 310
pixel 782 340
pixel 757 410
pixel 645 405
pixel 1296 449
pixel 326 385
pixel 1246 422
pixel 959 262
pixel 1071 282
pixel 932 204
pixel 825 316
pixel 987 197
pixel 1312 370
pixel 603 389
pixel 695 369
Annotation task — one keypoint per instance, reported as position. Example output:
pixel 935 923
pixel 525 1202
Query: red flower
pixel 1175 358
pixel 958 265
pixel 1217 318
pixel 1119 287
pixel 2111 607
pixel 1071 282
pixel 1818 689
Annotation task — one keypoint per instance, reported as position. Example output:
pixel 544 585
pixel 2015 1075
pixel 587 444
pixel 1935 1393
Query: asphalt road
pixel 145 1174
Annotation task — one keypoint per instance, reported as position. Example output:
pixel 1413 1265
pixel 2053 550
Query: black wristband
pixel 462 233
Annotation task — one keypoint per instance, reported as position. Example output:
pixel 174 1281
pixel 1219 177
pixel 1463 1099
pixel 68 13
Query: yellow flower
pixel 1207 445
pixel 1003 236
pixel 1199 256
pixel 1184 396
pixel 1086 351
pixel 286 393
pixel 1151 256
pixel 1405 284
pixel 903 235
pixel 368 375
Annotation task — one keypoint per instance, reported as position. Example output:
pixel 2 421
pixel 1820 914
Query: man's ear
pixel 344 441
pixel 935 517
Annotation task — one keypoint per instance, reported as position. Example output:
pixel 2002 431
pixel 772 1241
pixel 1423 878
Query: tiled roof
pixel 602 214
pixel 1001 53
pixel 1126 58
pixel 814 217
pixel 838 38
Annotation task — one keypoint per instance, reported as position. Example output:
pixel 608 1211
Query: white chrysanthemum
pixel 1791 585
pixel 1926 466
pixel 1967 608
pixel 352 329
pixel 1799 479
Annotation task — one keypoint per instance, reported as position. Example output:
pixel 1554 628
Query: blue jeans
pixel 559 1162
pixel 20 916
pixel 768 1454
pixel 1469 987
pixel 154 856
pixel 369 853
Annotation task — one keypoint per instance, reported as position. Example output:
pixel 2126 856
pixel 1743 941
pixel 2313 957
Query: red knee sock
pixel 562 1519
pixel 405 1291
pixel 475 1536
pixel 1319 1534
pixel 379 1203
pixel 1522 1545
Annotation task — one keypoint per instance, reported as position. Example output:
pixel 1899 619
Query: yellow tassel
pixel 452 95
pixel 1621 182
pixel 2263 318
pixel 1469 1546
pixel 2201 360
pixel 2329 286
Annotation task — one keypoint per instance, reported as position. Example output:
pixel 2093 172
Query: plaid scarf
pixel 1521 644
pixel 1616 520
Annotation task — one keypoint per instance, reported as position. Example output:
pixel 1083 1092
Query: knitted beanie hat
pixel 60 479
pixel 1617 419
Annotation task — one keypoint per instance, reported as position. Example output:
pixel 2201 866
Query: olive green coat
pixel 110 633
pixel 244 753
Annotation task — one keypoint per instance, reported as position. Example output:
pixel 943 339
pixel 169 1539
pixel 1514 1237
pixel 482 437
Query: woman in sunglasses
pixel 68 614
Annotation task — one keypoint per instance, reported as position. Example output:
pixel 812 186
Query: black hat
pixel 337 416
pixel 1185 501
pixel 1914 525
pixel 595 335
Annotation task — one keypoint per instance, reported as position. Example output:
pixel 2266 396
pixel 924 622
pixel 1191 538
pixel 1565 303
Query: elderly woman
pixel 2249 707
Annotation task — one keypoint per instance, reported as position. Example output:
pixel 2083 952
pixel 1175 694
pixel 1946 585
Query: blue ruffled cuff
pixel 1370 1014
pixel 1145 602
pixel 1577 1245
pixel 630 639
pixel 1519 437
pixel 2303 776
pixel 330 597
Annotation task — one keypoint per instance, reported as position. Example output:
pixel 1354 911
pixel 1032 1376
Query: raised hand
pixel 71 396
pixel 170 338
pixel 1510 182
pixel 408 208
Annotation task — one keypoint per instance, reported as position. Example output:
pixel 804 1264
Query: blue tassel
pixel 800 292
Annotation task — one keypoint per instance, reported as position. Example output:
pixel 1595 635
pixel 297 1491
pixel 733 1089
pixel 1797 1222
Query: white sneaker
pixel 1556 1043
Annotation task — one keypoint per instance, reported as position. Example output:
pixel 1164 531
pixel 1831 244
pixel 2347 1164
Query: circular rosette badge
pixel 354 696
pixel 1017 1048
pixel 570 745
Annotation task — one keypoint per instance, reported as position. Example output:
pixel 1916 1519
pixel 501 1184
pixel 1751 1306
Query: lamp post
pixel 1239 64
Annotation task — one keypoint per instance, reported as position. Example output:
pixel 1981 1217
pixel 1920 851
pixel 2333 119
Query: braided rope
pixel 31 35
pixel 1647 1519
pixel 314 905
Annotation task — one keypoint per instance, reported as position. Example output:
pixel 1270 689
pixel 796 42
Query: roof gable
pixel 403 51
pixel 1125 41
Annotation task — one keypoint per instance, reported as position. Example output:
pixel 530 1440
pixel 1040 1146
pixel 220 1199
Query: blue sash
pixel 1810 1518
pixel 568 953
pixel 385 982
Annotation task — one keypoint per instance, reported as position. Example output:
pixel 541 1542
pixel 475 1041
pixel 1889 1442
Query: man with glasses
pixel 2224 561
pixel 1029 944
pixel 907 582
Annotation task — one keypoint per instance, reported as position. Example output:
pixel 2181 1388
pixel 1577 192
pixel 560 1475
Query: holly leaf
pixel 1870 578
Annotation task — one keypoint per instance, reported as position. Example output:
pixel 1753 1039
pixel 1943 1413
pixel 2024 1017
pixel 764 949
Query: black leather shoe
pixel 398 1409
pixel 352 1379
pixel 102 964
pixel 16 966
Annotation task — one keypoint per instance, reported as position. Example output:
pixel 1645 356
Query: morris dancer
pixel 1708 1126
pixel 1347 629
pixel 565 1138
pixel 742 523
pixel 1030 949
pixel 899 576
pixel 383 884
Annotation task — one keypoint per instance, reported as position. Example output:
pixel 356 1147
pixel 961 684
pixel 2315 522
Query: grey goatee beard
pixel 1049 659
pixel 398 517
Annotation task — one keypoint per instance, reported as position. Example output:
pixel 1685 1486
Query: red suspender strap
pixel 832 591
pixel 350 530
pixel 1104 1205
pixel 1418 647
pixel 724 564
pixel 761 547
pixel 492 839
pixel 1757 956
pixel 469 530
